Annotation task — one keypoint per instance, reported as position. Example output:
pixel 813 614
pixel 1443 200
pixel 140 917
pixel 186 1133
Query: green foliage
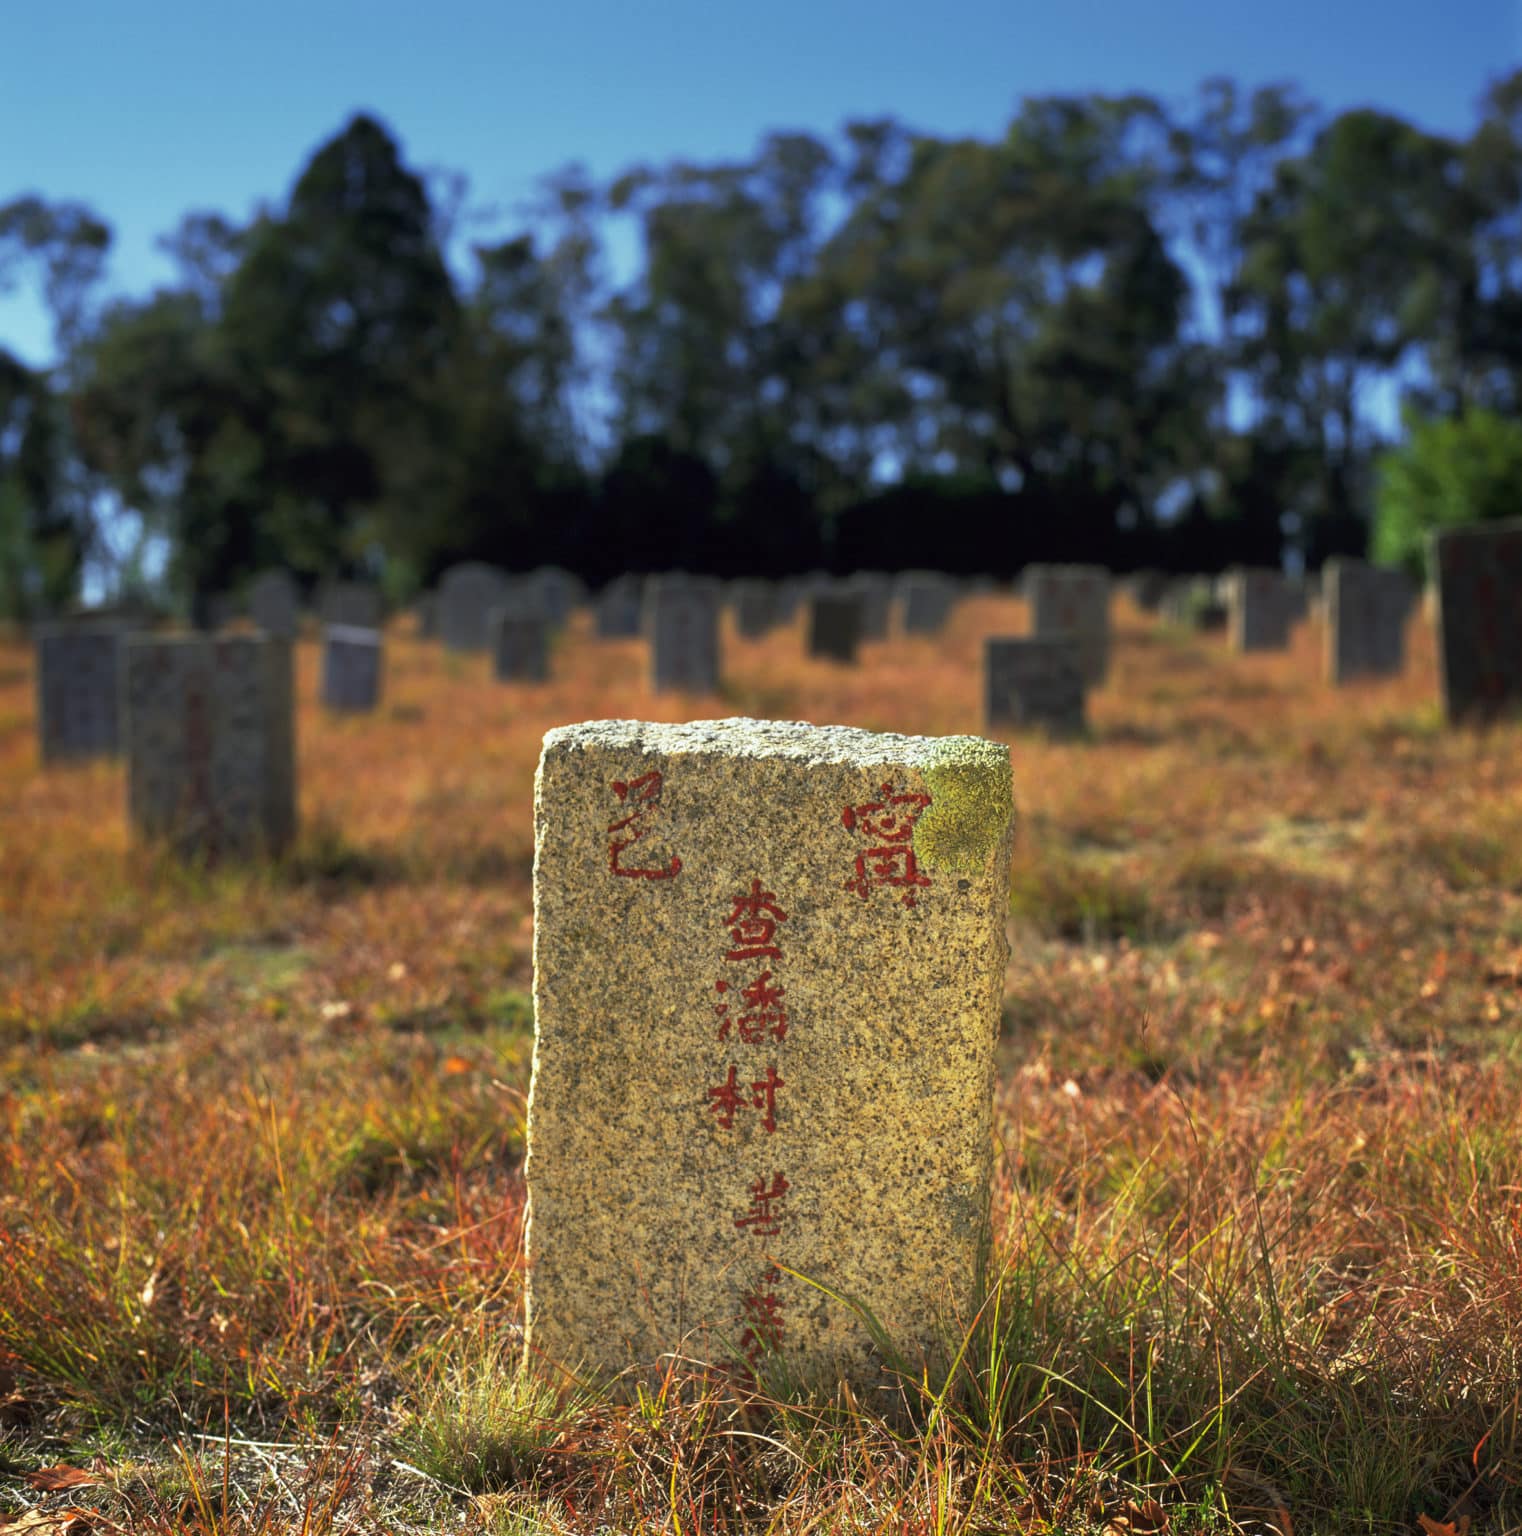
pixel 1445 474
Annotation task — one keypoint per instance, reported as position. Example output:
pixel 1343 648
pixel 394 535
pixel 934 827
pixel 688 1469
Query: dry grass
pixel 1260 1203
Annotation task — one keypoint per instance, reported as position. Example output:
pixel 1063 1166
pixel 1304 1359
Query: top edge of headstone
pixel 742 737
pixel 1491 526
pixel 358 633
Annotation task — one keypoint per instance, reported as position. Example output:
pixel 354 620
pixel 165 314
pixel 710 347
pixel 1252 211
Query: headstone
pixel 1260 609
pixel 925 600
pixel 787 598
pixel 351 668
pixel 1073 600
pixel 467 595
pixel 1479 618
pixel 210 742
pixel 353 603
pixel 682 621
pixel 874 590
pixel 78 687
pixel 767 974
pixel 274 603
pixel 834 629
pixel 1034 682
pixel 618 608
pixel 222 609
pixel 1366 612
pixel 519 645
pixel 555 592
pixel 755 607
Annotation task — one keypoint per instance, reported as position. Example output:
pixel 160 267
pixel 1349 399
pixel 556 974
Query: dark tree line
pixel 1117 332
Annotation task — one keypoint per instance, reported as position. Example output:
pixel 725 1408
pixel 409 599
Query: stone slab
pixel 925 600
pixel 768 964
pixel 351 668
pixel 681 619
pixel 467 595
pixel 210 742
pixel 1034 682
pixel 274 603
pixel 1366 609
pixel 1260 607
pixel 1072 600
pixel 617 608
pixel 1479 618
pixel 78 691
pixel 834 626
pixel 520 645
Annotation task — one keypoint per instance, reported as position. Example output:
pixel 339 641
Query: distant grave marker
pixel 555 592
pixel 520 645
pixel 834 627
pixel 1261 608
pixel 682 622
pixel 768 966
pixel 78 688
pixel 618 608
pixel 351 668
pixel 467 595
pixel 211 742
pixel 925 600
pixel 755 607
pixel 1479 618
pixel 874 589
pixel 355 604
pixel 274 603
pixel 1035 682
pixel 1073 600
pixel 1366 612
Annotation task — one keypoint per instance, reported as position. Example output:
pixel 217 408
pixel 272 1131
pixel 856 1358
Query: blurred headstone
pixel 755 607
pixel 1073 600
pixel 834 627
pixel 1260 608
pixel 210 742
pixel 1366 612
pixel 519 645
pixel 1479 618
pixel 355 604
pixel 274 603
pixel 351 668
pixel 78 690
pixel 618 608
pixel 681 620
pixel 925 600
pixel 1034 682
pixel 874 590
pixel 768 965
pixel 467 595
pixel 555 592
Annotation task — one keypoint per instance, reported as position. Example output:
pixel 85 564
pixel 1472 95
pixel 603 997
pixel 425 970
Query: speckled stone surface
pixel 351 668
pixel 768 961
pixel 1366 612
pixel 1073 600
pixel 78 687
pixel 1034 682
pixel 210 741
pixel 1479 618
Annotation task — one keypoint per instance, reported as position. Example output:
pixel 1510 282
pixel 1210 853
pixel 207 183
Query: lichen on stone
pixel 971 802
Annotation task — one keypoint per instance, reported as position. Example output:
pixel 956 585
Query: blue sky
pixel 147 110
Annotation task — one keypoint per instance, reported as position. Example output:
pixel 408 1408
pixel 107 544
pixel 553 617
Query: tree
pixel 1445 474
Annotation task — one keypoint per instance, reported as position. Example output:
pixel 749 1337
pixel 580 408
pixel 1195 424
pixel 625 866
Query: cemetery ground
pixel 1257 1250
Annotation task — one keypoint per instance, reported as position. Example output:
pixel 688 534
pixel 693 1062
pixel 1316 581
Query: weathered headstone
pixel 554 592
pixel 210 742
pixel 874 589
pixel 834 628
pixel 1366 612
pixel 467 595
pixel 1479 618
pixel 618 608
pixel 274 603
pixel 353 603
pixel 519 645
pixel 767 973
pixel 755 607
pixel 1260 608
pixel 1034 682
pixel 1073 600
pixel 925 600
pixel 681 620
pixel 351 668
pixel 78 687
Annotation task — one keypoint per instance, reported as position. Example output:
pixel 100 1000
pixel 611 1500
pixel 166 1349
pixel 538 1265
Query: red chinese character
pixel 763 1315
pixel 642 795
pixel 890 821
pixel 762 1219
pixel 727 1098
pixel 762 1015
pixel 751 929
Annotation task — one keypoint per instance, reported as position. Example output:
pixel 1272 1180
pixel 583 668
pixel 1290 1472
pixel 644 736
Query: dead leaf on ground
pixel 49 1522
pixel 54 1479
pixel 1431 1527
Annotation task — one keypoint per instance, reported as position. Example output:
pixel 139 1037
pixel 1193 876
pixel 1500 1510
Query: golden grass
pixel 1259 1258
